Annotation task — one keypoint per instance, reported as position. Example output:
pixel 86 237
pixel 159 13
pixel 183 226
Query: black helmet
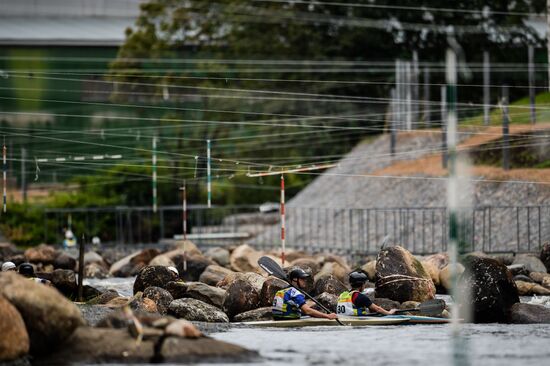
pixel 298 273
pixel 26 269
pixel 357 278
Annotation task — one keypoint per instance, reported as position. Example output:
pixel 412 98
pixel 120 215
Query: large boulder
pixel 329 284
pixel 401 277
pixel 386 304
pixel 7 250
pixel 160 296
pixel 187 246
pixel 144 257
pixel 432 271
pixel 196 310
pixel 95 270
pixel 529 314
pixel 65 261
pixel 123 267
pixel 241 296
pixel 218 255
pixel 256 280
pixel 540 277
pixel 269 289
pixel 191 266
pixel 203 292
pixel 487 288
pixel 328 300
pixel 255 315
pixel 336 269
pixel 157 276
pixel 176 288
pixel 307 263
pixel 531 262
pixel 545 255
pixel 433 264
pixel 162 260
pixel 245 259
pixel 65 281
pixel 14 340
pixel 49 317
pixel 213 274
pixel 93 257
pixel 531 288
pixel 370 270
pixel 43 253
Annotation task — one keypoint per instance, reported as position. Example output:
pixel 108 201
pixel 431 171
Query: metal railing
pixel 422 230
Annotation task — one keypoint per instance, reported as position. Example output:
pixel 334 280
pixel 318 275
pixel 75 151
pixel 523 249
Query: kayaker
pixel 290 303
pixel 27 270
pixel 354 302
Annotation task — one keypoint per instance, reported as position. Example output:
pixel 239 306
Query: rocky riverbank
pixel 223 285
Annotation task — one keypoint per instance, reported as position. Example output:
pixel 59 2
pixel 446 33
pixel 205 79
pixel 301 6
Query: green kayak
pixel 317 322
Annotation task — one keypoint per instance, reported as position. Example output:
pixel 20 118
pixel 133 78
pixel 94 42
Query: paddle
pixel 271 267
pixel 428 308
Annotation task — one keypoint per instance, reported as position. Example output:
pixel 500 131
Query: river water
pixel 423 345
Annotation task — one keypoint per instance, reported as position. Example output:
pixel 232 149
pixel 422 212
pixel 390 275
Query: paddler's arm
pixel 307 310
pixel 377 309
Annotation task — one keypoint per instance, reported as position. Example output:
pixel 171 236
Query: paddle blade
pixel 271 267
pixel 432 307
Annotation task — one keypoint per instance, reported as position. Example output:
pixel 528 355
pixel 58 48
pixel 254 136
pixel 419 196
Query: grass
pixel 519 112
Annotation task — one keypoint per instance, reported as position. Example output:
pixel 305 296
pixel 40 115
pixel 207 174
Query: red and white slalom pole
pixel 283 219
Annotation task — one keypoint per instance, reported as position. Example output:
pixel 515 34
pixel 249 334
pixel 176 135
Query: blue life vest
pixel 287 303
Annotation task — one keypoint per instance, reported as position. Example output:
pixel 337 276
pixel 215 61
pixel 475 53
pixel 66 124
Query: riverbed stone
pixel 386 304
pixel 336 269
pixel 95 270
pixel 196 265
pixel 14 339
pixel 43 253
pixel 329 284
pixel 182 328
pixel 518 269
pixel 65 281
pixel 8 250
pixel 65 261
pixel 145 256
pixel 153 276
pixel 488 288
pixel 545 255
pixel 177 289
pixel 401 277
pixel 196 310
pixel 531 262
pixel 213 274
pixel 254 279
pixel 241 296
pixel 122 267
pixel 539 277
pixel 259 314
pixel 531 288
pixel 432 270
pixel 328 300
pixel 162 260
pixel 445 279
pixel 245 259
pixel 529 314
pixel 49 317
pixel 218 255
pixel 104 297
pixel 160 296
pixel 93 257
pixel 307 263
pixel 203 292
pixel 370 270
pixel 269 289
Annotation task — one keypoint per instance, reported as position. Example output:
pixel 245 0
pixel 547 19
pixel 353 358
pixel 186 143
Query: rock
pixel 196 310
pixel 539 277
pixel 14 340
pixel 241 296
pixel 477 254
pixel 518 269
pixel 49 318
pixel 445 276
pixel 335 269
pixel 307 263
pixel 330 285
pixel 162 260
pixel 244 259
pixel 532 263
pixel 328 300
pixel 409 305
pixel 160 296
pixel 546 282
pixel 489 289
pixel 93 257
pixel 432 271
pixel 214 274
pixel 523 278
pixel 186 245
pixel 529 314
pixel 545 255
pixel 122 267
pixel 157 276
pixel 203 350
pixel 65 261
pixel 143 304
pixel 144 257
pixel 218 255
pixel 439 260
pixel 529 289
pixel 505 258
pixel 7 250
pixel 101 345
pixel 95 270
pixel 401 277
pixel 182 328
pixel 386 304
pixel 255 315
pixel 118 302
pixel 370 270
pixel 65 281
pixel 269 289
pixel 177 289
pixel 196 265
pixel 256 280
pixel 331 258
pixel 203 292
pixel 104 298
pixel 41 254
pixel 291 255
